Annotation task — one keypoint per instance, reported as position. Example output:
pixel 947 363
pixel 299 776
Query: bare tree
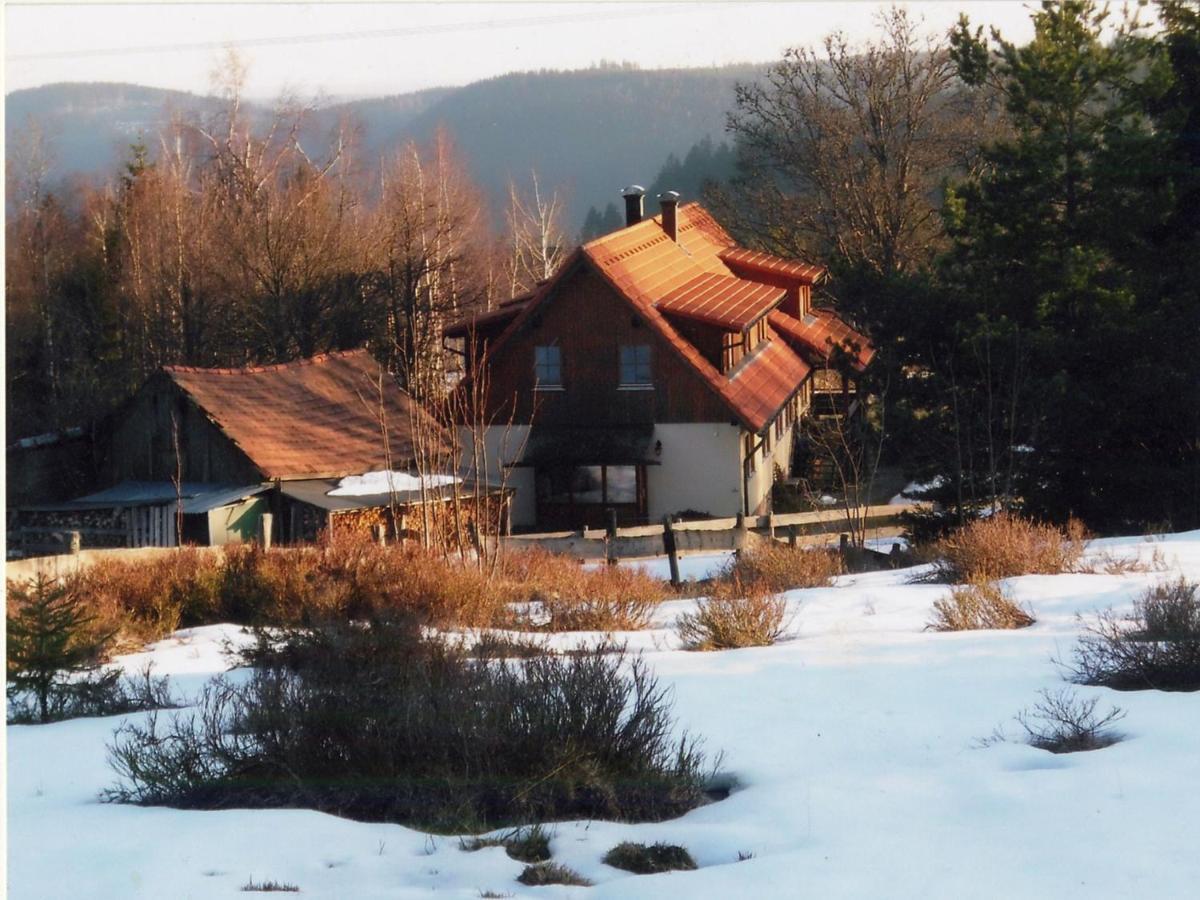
pixel 429 228
pixel 844 151
pixel 537 245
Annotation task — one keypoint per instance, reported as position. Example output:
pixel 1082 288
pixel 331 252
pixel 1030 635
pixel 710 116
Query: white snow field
pixel 853 744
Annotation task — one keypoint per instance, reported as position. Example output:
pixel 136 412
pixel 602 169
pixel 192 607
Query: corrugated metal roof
pixel 145 493
pixel 210 500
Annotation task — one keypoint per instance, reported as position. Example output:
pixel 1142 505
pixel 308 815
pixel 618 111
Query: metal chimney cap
pixel 634 190
pixel 669 197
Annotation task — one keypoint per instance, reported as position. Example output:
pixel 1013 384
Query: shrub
pixel 1004 545
pixel 528 845
pixel 551 873
pixel 978 605
pixel 380 722
pixel 1156 646
pixel 736 615
pixel 1063 723
pixel 778 567
pixel 649 859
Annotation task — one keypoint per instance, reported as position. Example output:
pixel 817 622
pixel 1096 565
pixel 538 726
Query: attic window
pixel 547 368
pixel 635 366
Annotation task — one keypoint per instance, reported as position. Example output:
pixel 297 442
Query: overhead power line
pixel 329 37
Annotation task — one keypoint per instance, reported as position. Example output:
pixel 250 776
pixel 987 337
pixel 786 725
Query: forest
pixel 1013 225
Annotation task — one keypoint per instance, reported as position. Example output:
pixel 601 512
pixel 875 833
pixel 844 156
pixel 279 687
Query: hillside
pixel 589 132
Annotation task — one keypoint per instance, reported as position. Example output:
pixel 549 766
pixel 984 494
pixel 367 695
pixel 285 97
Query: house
pixel 207 456
pixel 662 369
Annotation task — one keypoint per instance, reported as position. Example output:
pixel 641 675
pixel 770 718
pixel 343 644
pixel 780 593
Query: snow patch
pixel 386 482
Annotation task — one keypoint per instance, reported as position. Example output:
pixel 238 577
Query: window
pixel 588 485
pixel 635 366
pixel 547 368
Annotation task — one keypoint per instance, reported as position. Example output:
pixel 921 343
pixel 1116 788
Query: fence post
pixel 670 549
pixel 739 534
pixel 380 535
pixel 265 534
pixel 771 525
pixel 792 531
pixel 76 544
pixel 610 536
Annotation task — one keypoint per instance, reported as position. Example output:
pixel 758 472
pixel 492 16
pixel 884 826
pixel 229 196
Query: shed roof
pixel 317 417
pixel 820 332
pixel 722 300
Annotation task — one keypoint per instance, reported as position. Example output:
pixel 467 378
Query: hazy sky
pixel 385 48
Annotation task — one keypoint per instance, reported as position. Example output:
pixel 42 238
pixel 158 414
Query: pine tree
pixel 51 642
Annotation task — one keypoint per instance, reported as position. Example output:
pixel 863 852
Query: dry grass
pixel 978 605
pixel 649 859
pixel 736 615
pixel 1107 564
pixel 778 567
pixel 1004 545
pixel 145 600
pixel 569 597
pixel 551 873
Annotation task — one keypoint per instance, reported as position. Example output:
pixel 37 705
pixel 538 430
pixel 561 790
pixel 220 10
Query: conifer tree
pixel 51 643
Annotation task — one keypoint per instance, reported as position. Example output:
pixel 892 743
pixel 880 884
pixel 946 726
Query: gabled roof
pixel 819 332
pixel 689 277
pixel 317 417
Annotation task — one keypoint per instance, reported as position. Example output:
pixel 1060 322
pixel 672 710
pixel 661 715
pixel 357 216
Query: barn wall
pixel 142 446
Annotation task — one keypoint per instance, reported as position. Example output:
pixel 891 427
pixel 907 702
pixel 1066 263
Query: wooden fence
pixel 710 534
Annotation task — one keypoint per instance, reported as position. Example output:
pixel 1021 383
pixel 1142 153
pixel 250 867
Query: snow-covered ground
pixel 853 744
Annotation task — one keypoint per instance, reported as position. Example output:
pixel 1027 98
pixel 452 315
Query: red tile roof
pixel 762 385
pixel 722 300
pixel 316 417
pixel 690 276
pixel 750 261
pixel 819 332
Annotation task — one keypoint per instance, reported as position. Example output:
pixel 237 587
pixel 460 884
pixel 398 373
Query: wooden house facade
pixel 662 369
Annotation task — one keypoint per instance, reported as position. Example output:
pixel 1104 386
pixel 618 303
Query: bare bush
pixel 779 567
pixel 1155 647
pixel 381 722
pixel 1004 546
pixel 976 606
pixel 736 615
pixel 1061 722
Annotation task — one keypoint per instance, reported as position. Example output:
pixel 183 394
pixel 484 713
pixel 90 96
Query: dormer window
pixel 547 368
pixel 635 366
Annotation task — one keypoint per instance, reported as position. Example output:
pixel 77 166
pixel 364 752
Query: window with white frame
pixel 547 367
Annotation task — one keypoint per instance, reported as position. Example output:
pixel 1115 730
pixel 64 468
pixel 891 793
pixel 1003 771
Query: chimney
pixel 633 203
pixel 670 203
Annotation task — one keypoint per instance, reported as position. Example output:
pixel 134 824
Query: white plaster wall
pixel 760 481
pixel 503 443
pixel 700 470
